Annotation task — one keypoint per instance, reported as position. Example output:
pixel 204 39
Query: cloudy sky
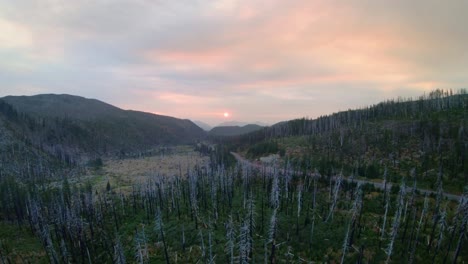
pixel 259 60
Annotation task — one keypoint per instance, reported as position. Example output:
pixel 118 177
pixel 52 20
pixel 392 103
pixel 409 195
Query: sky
pixel 258 60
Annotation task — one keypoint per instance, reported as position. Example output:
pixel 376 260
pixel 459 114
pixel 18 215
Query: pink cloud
pixel 303 40
pixel 198 59
pixel 179 59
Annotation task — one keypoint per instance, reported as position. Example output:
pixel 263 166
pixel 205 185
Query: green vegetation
pixel 280 217
pixel 426 135
pixel 264 149
pixel 72 129
pixel 95 163
pixel 319 204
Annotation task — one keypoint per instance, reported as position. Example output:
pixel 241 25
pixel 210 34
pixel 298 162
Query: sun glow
pixel 226 114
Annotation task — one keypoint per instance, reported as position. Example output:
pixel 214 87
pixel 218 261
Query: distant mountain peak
pixel 234 130
pixel 202 125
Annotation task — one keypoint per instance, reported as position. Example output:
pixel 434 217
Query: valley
pixel 383 184
pixel 233 131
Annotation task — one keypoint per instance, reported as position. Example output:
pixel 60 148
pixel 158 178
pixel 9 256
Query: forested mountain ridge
pixel 428 134
pixel 74 129
pixel 62 106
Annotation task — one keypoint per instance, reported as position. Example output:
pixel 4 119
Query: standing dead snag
pixel 462 232
pixel 437 213
pixel 316 175
pixel 336 191
pixel 387 206
pixel 230 239
pixel 354 213
pixel 245 243
pixel 202 245
pixel 272 235
pixel 274 200
pixel 423 214
pixel 119 256
pixel 457 219
pixel 193 197
pixel 250 218
pixel 396 221
pixel 274 197
pixel 299 207
pixel 159 228
pixel 442 227
pixel 210 248
pixel 141 248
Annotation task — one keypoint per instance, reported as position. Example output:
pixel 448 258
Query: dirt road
pixel 378 185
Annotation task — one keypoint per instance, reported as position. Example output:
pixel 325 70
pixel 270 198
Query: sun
pixel 226 114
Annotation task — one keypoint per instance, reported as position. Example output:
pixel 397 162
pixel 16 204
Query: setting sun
pixel 226 114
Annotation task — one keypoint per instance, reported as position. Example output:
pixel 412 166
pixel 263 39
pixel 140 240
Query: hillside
pixel 233 130
pixel 429 135
pixel 17 156
pixel 74 128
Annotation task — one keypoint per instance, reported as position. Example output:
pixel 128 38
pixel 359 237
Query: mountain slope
pixel 73 126
pixel 428 135
pixel 18 156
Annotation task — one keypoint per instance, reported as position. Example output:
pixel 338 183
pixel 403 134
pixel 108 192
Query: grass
pixel 123 173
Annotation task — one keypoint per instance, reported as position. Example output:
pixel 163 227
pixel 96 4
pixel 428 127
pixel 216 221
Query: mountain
pixel 73 127
pixel 62 106
pixel 234 130
pixel 238 123
pixel 232 123
pixel 202 125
